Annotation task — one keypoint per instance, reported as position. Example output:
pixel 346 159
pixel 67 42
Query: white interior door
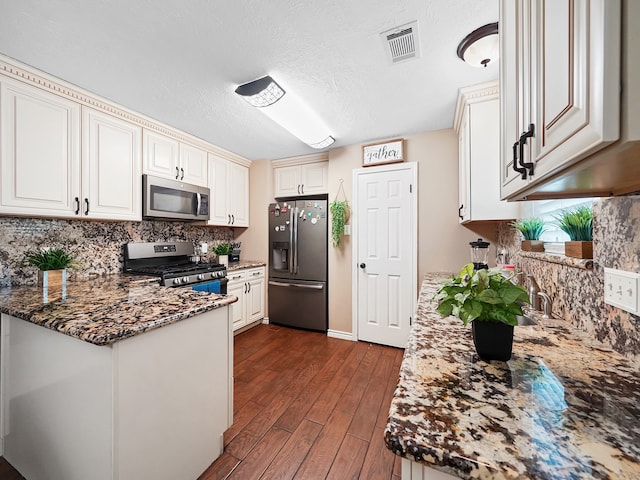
pixel 385 252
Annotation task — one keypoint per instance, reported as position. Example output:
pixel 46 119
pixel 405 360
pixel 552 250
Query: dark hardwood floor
pixel 306 407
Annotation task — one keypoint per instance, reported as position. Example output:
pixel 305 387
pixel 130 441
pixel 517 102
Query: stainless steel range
pixel 170 262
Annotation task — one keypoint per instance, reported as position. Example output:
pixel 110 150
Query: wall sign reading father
pixel 391 151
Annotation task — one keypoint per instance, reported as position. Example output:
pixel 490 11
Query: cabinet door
pixel 464 166
pixel 314 178
pixel 40 138
pixel 238 195
pixel 287 181
pixel 255 295
pixel 237 311
pixel 218 184
pixel 515 29
pixel 576 89
pixel 111 167
pixel 161 155
pixel 193 165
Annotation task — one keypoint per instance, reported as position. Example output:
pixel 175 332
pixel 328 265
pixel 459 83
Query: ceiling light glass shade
pixel 288 111
pixel 481 47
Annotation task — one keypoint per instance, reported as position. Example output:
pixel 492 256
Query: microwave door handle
pixel 199 197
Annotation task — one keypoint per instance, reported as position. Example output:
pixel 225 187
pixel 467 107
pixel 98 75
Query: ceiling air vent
pixel 401 43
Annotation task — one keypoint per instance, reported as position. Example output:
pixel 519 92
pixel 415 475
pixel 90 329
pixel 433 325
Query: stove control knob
pixel 185 279
pixel 213 274
pixel 177 281
pixel 200 277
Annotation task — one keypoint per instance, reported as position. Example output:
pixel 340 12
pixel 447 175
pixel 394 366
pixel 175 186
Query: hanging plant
pixel 339 216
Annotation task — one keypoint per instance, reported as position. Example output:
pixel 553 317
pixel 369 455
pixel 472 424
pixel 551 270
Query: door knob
pixel 363 265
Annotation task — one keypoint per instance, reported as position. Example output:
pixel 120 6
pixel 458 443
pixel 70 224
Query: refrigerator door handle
pixel 318 286
pixel 295 241
pixel 291 245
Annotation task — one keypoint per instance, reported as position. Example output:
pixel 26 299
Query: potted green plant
pixel 530 229
pixel 52 265
pixel 578 224
pixel 490 302
pixel 222 250
pixel 339 217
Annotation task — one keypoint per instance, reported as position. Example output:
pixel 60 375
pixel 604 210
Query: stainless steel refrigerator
pixel 298 264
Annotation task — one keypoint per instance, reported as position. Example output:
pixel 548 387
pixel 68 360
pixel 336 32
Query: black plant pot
pixel 493 341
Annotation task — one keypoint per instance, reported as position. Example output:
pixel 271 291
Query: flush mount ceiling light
pixel 286 110
pixel 480 47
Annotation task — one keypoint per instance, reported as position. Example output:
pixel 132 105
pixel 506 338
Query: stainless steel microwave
pixel 164 199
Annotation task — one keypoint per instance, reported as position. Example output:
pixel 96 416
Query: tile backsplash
pixel 578 294
pixel 96 245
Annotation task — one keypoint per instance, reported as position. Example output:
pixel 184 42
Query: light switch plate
pixel 621 289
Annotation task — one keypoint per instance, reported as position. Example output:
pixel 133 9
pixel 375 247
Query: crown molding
pixel 18 71
pixel 300 160
pixel 474 94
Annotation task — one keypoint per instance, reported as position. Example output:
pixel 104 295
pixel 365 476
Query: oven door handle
pixel 199 197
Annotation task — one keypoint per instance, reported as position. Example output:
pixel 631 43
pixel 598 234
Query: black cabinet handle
pixel 233 219
pixel 245 288
pixel 363 265
pixel 182 176
pixel 77 200
pixel 523 142
pixel 460 212
pixel 229 220
pixel 177 172
pixel 521 171
pixel 302 188
pixel 86 202
pixel 249 285
pixel 298 189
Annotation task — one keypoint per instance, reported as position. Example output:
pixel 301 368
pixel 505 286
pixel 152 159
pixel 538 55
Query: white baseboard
pixel 340 335
pixel 265 320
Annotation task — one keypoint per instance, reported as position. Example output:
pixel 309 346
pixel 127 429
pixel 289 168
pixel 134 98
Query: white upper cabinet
pixel 193 165
pixel 229 185
pixel 168 158
pixel 50 169
pixel 302 179
pixel 40 157
pixel 478 125
pixel 111 167
pixel 560 91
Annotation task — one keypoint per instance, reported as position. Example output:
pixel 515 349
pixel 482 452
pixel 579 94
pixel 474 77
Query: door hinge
pixel 410 321
pixel 410 188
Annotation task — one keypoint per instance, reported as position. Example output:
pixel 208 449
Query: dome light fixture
pixel 287 110
pixel 481 47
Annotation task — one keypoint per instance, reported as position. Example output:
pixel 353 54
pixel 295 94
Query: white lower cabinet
pixel 153 406
pixel 419 471
pixel 248 285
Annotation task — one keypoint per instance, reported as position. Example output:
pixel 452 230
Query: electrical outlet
pixel 621 289
pixel 347 229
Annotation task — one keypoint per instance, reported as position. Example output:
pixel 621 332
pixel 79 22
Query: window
pixel 553 237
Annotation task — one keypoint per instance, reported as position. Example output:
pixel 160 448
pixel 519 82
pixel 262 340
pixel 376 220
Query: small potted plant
pixel 52 265
pixel 578 224
pixel 223 250
pixel 531 229
pixel 339 217
pixel 490 302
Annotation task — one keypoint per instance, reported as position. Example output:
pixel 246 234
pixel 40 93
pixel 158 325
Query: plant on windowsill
pixel 339 217
pixel 490 302
pixel 223 250
pixel 578 224
pixel 531 229
pixel 52 265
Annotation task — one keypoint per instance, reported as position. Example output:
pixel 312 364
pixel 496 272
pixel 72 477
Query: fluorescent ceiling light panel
pixel 287 110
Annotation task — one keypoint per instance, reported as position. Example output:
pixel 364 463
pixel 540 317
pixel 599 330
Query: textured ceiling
pixel 179 61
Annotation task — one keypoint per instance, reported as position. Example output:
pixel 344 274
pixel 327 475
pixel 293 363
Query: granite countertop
pixel 107 309
pixel 242 264
pixel 563 407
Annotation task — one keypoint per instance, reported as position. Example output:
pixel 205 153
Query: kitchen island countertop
pixel 107 309
pixel 563 407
